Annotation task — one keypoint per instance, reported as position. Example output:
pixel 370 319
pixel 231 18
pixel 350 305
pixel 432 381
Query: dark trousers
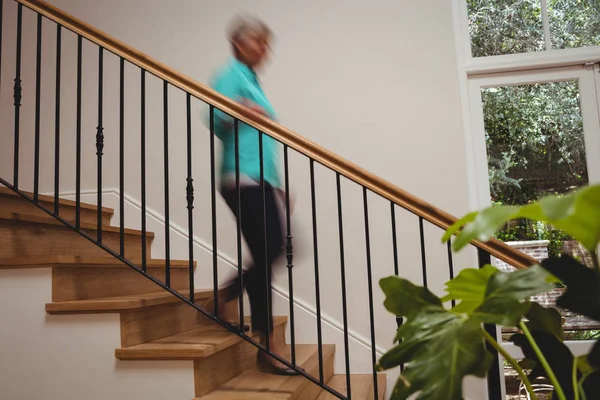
pixel 257 278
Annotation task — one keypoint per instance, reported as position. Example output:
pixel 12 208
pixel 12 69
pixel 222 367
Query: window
pixel 574 23
pixel 534 139
pixel 498 27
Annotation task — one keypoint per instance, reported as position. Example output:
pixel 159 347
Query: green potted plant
pixel 441 344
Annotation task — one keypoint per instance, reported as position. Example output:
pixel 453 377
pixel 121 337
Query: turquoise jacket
pixel 237 81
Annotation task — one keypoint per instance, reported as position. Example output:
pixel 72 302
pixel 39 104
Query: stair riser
pixel 153 323
pixel 202 351
pixel 214 371
pixel 89 282
pixel 310 391
pixel 19 239
pixel 20 205
pixel 362 387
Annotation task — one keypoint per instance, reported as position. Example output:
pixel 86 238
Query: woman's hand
pixel 254 107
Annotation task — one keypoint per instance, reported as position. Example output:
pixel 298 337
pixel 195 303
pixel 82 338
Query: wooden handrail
pixel 351 171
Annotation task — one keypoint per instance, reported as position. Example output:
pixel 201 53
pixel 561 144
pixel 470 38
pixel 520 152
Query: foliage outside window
pixel 499 27
pixel 574 23
pixel 535 147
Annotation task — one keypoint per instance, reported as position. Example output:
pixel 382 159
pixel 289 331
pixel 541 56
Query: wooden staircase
pixel 155 325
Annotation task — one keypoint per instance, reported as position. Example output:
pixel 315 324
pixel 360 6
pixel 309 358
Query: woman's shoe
pixel 267 365
pixel 236 325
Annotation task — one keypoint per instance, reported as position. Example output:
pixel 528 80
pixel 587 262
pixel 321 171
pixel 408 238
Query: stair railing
pixel 343 169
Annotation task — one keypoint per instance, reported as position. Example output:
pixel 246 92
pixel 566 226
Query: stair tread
pixel 119 303
pixel 66 260
pixel 49 199
pixel 361 384
pixel 13 216
pixel 254 385
pixel 197 343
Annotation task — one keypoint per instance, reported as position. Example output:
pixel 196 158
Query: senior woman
pixel 250 40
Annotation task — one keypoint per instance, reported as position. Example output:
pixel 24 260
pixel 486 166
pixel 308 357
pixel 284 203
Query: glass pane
pixel 535 142
pixel 574 23
pixel 535 147
pixel 501 27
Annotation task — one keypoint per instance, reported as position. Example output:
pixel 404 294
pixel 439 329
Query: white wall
pixel 71 357
pixel 375 82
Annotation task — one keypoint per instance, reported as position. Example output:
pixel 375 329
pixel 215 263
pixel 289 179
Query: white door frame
pixel 588 78
pixel 589 89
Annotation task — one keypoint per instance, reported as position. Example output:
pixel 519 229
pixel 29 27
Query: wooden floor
pixel 155 325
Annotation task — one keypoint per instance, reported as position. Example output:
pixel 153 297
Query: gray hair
pixel 245 24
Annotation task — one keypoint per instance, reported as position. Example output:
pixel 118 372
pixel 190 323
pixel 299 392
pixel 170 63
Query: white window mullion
pixel 546 24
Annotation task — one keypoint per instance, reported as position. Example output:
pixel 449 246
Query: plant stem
pixel 574 379
pixel 543 361
pixel 513 363
pixel 580 387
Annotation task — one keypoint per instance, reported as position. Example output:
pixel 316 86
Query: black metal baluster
pixel 143 166
pixel 122 157
pixel 316 256
pixel 423 256
pixel 213 199
pixel 38 84
pixel 190 196
pixel 399 320
pixel 238 202
pixel 100 137
pixel 343 275
pixel 265 237
pixel 166 168
pixel 394 238
pixel 451 264
pixel 495 374
pixel 78 139
pixel 289 253
pixel 370 283
pixel 57 120
pixel 17 93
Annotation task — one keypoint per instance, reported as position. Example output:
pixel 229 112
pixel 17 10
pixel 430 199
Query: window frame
pixel 512 62
pixel 590 112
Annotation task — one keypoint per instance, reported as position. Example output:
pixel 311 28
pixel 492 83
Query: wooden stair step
pixel 254 385
pixel 49 199
pixel 48 220
pixel 57 261
pixel 23 235
pixel 67 208
pixel 195 344
pixel 119 303
pixel 361 385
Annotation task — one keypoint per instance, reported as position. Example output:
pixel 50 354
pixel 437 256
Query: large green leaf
pixel 583 286
pixel 484 225
pixel 577 214
pixel 457 226
pixel 591 385
pixel 405 299
pixel 496 297
pixel 590 377
pixel 545 320
pixel 439 348
pixel 594 355
pixel 506 295
pixel 469 288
